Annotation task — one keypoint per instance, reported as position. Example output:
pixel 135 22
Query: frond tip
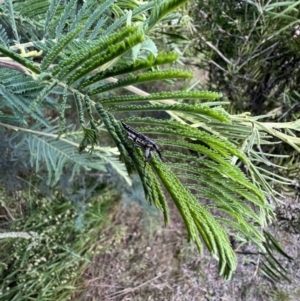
pixel 198 220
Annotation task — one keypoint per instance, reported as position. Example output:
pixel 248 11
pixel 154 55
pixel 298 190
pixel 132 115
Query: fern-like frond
pixel 95 16
pixel 142 78
pixel 11 15
pixel 271 265
pixel 158 197
pixel 150 61
pixel 161 9
pixel 202 111
pixel 50 15
pixel 3 36
pixel 56 50
pixel 228 188
pixel 67 13
pixel 47 89
pixel 97 28
pixel 84 46
pixel 82 13
pixel 115 132
pixel 32 8
pixel 215 157
pixel 83 55
pixel 198 220
pixel 61 153
pixel 19 105
pixel 107 55
pixel 163 96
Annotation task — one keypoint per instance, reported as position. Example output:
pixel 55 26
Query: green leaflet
pixel 115 132
pixel 97 55
pixel 163 95
pixel 142 78
pixel 62 43
pixel 54 5
pixel 159 198
pixel 162 9
pixel 218 158
pixel 226 191
pixel 220 145
pixel 216 113
pixel 11 14
pixel 197 219
pixel 92 49
pixel 3 36
pixel 149 62
pixel 107 55
pixel 47 89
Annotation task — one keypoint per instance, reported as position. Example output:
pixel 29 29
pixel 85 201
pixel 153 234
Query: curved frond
pixel 60 153
pixel 162 9
pixel 163 96
pixel 66 14
pixel 198 220
pixel 203 111
pixel 85 55
pixel 95 16
pixel 62 43
pixel 107 55
pixel 11 15
pixel 150 61
pixel 3 36
pixel 210 148
pixel 142 78
pixel 50 15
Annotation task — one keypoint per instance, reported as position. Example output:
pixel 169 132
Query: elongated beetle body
pixel 142 141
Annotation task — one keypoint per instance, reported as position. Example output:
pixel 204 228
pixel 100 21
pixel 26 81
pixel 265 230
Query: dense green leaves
pixel 205 181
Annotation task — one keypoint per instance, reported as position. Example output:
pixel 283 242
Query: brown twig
pixel 13 65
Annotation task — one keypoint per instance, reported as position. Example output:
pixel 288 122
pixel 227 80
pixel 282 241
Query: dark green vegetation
pixel 251 52
pixel 76 58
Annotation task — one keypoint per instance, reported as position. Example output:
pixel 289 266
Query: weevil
pixel 142 141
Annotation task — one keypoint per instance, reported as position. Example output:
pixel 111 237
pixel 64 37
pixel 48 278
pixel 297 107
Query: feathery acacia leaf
pixel 96 16
pixel 203 111
pixel 61 44
pixel 198 219
pixel 49 16
pixel 214 136
pixel 66 14
pixel 57 154
pixel 11 15
pixel 163 96
pixel 83 55
pixel 3 36
pixel 142 78
pixel 107 55
pixel 162 9
pixel 150 61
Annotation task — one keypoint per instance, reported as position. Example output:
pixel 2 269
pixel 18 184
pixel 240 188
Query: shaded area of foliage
pixel 85 54
pixel 64 239
pixel 251 51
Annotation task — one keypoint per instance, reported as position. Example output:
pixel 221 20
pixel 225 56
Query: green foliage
pixel 214 197
pixel 142 78
pixel 271 266
pixel 3 36
pixel 250 50
pixel 64 240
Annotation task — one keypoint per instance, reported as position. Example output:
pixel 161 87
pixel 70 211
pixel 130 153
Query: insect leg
pixel 147 155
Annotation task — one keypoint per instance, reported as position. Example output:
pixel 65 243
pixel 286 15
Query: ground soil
pixel 145 261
